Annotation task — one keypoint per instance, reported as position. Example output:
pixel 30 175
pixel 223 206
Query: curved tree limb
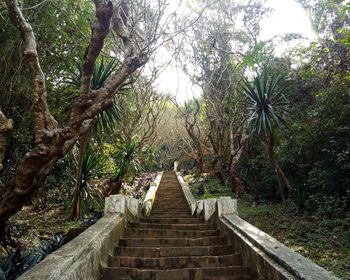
pixel 44 121
pixel 53 142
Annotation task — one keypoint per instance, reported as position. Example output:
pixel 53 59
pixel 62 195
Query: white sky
pixel 287 17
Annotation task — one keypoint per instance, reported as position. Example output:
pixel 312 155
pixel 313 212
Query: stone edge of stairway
pixel 267 257
pixel 82 257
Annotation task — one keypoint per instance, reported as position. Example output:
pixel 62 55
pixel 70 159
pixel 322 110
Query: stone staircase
pixel 170 244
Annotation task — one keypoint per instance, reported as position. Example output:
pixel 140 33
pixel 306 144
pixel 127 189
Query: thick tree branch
pixel 53 142
pixel 100 30
pixel 120 22
pixel 44 121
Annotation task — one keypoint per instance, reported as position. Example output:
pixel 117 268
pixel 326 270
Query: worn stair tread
pixel 148 232
pixel 172 242
pixel 177 220
pixel 173 226
pixel 175 262
pixel 234 272
pixel 212 250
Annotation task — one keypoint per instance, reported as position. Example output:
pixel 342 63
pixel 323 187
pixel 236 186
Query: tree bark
pixel 283 182
pixel 5 126
pixel 53 142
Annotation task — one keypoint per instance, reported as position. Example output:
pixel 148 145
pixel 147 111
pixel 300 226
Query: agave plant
pixel 86 197
pixel 266 104
pixel 128 159
pixel 103 123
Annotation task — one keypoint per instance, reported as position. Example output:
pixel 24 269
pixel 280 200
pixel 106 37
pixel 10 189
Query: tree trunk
pixel 52 141
pixel 114 186
pixel 5 126
pixel 76 199
pixel 199 159
pixel 283 182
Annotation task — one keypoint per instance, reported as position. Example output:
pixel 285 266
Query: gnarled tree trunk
pixel 52 141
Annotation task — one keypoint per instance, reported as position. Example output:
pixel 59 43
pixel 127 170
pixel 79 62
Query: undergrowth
pixel 324 240
pixel 206 186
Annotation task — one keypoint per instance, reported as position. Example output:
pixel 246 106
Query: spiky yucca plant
pixel 266 104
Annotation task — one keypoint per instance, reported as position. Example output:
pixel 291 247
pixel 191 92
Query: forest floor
pixel 38 230
pixel 326 241
pixel 30 226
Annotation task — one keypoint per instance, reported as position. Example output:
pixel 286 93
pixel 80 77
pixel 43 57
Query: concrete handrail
pixel 297 265
pixel 207 207
pixel 82 257
pixel 151 195
pixel 268 258
pixel 191 200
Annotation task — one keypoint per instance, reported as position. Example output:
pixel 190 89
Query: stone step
pixel 173 226
pixel 176 262
pixel 156 252
pixel 170 211
pixel 187 215
pixel 155 220
pixel 233 272
pixel 172 242
pixel 171 214
pixel 168 233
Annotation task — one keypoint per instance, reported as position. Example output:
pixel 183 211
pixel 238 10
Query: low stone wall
pixel 267 258
pixel 83 257
pixel 151 195
pixel 271 259
pixel 187 192
pixel 207 207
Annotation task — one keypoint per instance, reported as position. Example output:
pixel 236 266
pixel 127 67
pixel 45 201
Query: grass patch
pixel 323 240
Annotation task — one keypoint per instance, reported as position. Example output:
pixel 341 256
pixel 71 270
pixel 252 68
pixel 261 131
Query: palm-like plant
pixel 266 104
pixel 104 122
pixel 86 197
pixel 128 159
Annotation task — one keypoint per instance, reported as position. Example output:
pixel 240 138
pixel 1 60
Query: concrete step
pixel 173 226
pixel 233 272
pixel 172 242
pixel 171 216
pixel 156 252
pixel 161 220
pixel 160 211
pixel 175 262
pixel 168 233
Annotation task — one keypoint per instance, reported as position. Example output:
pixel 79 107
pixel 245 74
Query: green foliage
pixel 126 158
pixel 205 186
pixel 321 239
pixel 316 158
pixel 256 175
pixel 90 197
pixel 101 73
pixel 15 264
pixel 265 101
pixel 129 158
pixel 300 198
